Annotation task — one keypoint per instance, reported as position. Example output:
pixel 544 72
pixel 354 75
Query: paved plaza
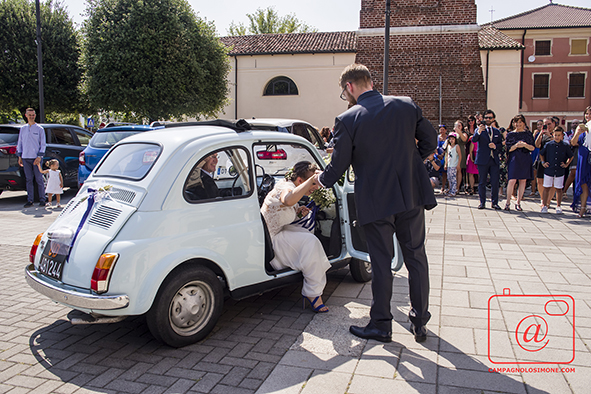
pixel 268 344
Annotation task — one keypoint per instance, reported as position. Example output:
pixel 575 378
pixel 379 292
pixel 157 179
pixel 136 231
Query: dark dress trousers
pixel 488 162
pixel 386 139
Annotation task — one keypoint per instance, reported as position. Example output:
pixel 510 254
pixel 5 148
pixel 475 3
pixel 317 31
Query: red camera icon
pixel 541 327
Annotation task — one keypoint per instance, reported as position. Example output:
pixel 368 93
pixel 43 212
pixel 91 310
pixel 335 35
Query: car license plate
pixel 53 260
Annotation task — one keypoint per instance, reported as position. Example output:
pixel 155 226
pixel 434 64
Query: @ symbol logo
pixel 531 333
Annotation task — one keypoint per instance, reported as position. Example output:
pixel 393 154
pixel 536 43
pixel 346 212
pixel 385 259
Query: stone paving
pixel 474 254
pixel 41 352
pixel 267 344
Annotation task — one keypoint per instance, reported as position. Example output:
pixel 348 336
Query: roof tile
pixel 490 37
pixel 549 16
pixel 263 44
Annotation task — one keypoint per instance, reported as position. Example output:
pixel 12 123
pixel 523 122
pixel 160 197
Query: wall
pixel 316 76
pixel 503 82
pixel 423 49
pixel 558 65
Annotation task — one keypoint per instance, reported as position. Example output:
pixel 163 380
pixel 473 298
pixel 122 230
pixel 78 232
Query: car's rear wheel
pixel 186 307
pixel 360 270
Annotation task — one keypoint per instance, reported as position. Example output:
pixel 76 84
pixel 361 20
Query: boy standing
pixel 555 157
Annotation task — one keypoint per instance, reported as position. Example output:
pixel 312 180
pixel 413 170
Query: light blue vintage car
pixel 137 238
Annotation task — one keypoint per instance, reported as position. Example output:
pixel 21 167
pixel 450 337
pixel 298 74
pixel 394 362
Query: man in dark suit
pixel 490 141
pixel 386 139
pixel 206 187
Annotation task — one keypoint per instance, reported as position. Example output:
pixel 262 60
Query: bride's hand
pixel 302 211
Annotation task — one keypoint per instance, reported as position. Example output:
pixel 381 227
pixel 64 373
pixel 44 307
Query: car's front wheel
pixel 360 270
pixel 187 306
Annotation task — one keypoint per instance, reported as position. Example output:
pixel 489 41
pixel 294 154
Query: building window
pixel 541 85
pixel 578 46
pixel 281 86
pixel 576 85
pixel 543 48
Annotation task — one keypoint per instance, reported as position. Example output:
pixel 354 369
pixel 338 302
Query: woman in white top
pixel 294 246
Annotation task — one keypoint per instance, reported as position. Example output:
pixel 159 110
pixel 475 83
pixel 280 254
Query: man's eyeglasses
pixel 342 96
pixel 488 117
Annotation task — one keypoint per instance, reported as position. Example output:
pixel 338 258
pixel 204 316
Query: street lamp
pixel 386 47
pixel 40 64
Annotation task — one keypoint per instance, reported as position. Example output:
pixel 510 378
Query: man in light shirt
pixel 30 150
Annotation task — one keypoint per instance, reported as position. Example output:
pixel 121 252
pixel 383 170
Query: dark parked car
pixel 64 143
pixel 101 142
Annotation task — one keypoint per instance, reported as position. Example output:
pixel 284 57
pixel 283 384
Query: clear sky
pixel 325 15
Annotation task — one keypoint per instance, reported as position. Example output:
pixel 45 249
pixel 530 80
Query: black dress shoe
pixel 481 206
pixel 496 206
pixel 370 332
pixel 420 333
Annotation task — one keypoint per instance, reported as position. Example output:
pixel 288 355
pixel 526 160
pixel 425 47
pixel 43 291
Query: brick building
pixel 434 54
pixel 556 63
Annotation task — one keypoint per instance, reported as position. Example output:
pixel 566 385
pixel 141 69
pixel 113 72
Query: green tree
pixel 19 87
pixel 268 21
pixel 153 58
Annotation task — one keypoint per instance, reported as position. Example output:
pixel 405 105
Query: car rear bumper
pixel 71 296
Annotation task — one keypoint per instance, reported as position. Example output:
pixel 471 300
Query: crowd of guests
pixel 479 154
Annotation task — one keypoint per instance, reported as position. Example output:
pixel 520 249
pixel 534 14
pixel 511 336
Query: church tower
pixel 434 54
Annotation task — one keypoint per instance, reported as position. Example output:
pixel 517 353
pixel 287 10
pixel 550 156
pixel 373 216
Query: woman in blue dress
pixel 582 189
pixel 519 143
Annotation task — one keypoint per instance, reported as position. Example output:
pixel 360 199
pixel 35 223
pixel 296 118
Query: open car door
pixel 355 240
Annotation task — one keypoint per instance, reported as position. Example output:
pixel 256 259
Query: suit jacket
pixel 483 153
pixel 206 188
pixel 377 137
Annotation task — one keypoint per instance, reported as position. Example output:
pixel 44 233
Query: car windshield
pixel 105 140
pixel 131 161
pixel 8 135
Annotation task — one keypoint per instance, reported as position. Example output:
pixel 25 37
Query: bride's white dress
pixel 294 246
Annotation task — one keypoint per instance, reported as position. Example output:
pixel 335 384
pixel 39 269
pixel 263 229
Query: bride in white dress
pixel 294 246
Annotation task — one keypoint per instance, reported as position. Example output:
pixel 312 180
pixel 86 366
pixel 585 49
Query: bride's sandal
pixel 319 309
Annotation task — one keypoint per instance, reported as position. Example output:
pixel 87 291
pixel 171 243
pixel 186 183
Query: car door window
pixel 220 175
pixel 83 138
pixel 315 137
pixel 62 136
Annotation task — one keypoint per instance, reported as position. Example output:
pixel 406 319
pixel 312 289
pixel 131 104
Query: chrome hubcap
pixel 191 308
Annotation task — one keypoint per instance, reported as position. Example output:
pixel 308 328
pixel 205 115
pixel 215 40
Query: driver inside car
pixel 203 185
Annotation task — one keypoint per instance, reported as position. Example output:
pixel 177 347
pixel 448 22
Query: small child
pixel 555 157
pixel 452 163
pixel 55 182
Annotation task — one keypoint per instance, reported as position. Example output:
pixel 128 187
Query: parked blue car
pixel 101 142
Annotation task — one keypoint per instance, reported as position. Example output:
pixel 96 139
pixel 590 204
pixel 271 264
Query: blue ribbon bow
pixel 84 217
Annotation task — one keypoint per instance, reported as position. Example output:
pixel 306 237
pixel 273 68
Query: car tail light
pixel 12 182
pixel 33 251
pixel 8 150
pixel 102 272
pixel 81 159
pixel 275 155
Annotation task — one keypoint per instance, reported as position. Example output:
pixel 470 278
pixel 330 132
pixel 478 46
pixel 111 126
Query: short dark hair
pixel 490 111
pixel 519 117
pixel 559 129
pixel 30 109
pixel 355 73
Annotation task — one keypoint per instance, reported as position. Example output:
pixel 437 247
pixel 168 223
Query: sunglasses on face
pixel 488 117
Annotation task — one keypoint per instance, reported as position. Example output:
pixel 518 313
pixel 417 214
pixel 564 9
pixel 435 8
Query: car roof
pixel 185 134
pixel 274 122
pixel 126 128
